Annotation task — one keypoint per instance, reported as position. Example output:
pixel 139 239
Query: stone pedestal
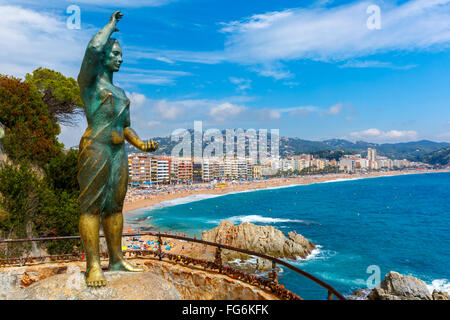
pixel 121 286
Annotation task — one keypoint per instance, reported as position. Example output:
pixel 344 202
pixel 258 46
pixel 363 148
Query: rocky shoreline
pixel 399 287
pixel 261 239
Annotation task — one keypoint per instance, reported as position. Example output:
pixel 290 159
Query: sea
pixel 363 228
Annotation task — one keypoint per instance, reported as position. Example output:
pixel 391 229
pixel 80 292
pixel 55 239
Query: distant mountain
pixel 406 150
pixel 439 158
pixel 413 151
pixel 357 146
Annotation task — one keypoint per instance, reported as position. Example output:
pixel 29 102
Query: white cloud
pixel 100 3
pixel 242 84
pixel 137 100
pixel 291 84
pixel 338 33
pixel 331 34
pixel 334 109
pixel 375 64
pixel 153 77
pixel 204 57
pixel 377 135
pixel 154 123
pixel 168 110
pixel 126 3
pixel 299 111
pixel 226 111
pixel 443 136
pixel 71 135
pixel 163 59
pixel 32 39
pixel 273 70
pixel 274 114
pixel 306 110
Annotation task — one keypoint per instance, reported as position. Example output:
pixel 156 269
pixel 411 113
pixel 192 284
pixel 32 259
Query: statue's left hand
pixel 115 17
pixel 150 146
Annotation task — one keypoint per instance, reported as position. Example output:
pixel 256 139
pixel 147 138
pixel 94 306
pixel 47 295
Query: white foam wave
pixel 346 179
pixel 258 219
pixel 313 255
pixel 331 277
pixel 439 285
pixel 316 254
pixel 269 188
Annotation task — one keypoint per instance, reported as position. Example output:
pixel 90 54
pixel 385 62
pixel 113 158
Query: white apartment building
pixel 371 154
pixel 385 163
pixel 210 169
pixel 162 171
pixel 353 164
pixel 139 167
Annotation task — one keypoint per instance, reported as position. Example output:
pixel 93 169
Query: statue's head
pixel 112 55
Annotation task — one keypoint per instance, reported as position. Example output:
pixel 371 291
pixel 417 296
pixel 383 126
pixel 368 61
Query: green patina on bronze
pixel 102 161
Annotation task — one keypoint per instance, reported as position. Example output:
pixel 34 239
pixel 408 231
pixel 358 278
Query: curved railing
pixel 217 264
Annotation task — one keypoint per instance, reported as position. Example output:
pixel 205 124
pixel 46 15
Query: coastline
pixel 133 207
pixel 439 282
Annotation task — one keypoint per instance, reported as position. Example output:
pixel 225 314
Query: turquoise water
pixel 399 223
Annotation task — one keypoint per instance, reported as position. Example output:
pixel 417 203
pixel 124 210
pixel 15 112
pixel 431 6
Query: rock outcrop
pixel 262 239
pixel 439 295
pixel 398 287
pixel 121 286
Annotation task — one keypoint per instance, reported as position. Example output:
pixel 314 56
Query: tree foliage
pixel 437 158
pixel 61 172
pixel 33 208
pixel 61 94
pixel 30 132
pixel 38 187
pixel 19 187
pixel 330 154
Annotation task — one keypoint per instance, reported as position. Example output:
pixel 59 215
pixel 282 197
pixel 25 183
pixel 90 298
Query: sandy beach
pixel 139 201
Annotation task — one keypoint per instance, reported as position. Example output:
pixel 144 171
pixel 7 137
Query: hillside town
pixel 145 169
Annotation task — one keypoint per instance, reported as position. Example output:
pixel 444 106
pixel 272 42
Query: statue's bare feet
pixel 94 277
pixel 123 265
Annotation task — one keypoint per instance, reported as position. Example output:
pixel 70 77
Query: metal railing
pixel 271 284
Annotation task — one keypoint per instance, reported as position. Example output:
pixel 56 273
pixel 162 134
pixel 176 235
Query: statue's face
pixel 113 58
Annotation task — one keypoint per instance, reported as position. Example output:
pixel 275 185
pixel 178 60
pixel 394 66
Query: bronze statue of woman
pixel 102 161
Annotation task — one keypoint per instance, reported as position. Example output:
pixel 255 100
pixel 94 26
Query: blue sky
pixel 312 69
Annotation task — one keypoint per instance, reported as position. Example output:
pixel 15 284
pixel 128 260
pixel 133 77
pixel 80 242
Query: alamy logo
pixel 374 279
pixel 74 20
pixel 374 20
pixel 235 144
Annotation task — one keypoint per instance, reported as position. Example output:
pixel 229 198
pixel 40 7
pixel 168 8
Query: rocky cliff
pixel 261 239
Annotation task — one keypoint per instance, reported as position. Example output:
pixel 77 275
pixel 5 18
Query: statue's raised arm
pixel 90 66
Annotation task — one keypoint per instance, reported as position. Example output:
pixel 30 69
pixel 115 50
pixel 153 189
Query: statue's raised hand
pixel 150 146
pixel 115 17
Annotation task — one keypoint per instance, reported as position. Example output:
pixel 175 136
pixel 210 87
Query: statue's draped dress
pixel 102 161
